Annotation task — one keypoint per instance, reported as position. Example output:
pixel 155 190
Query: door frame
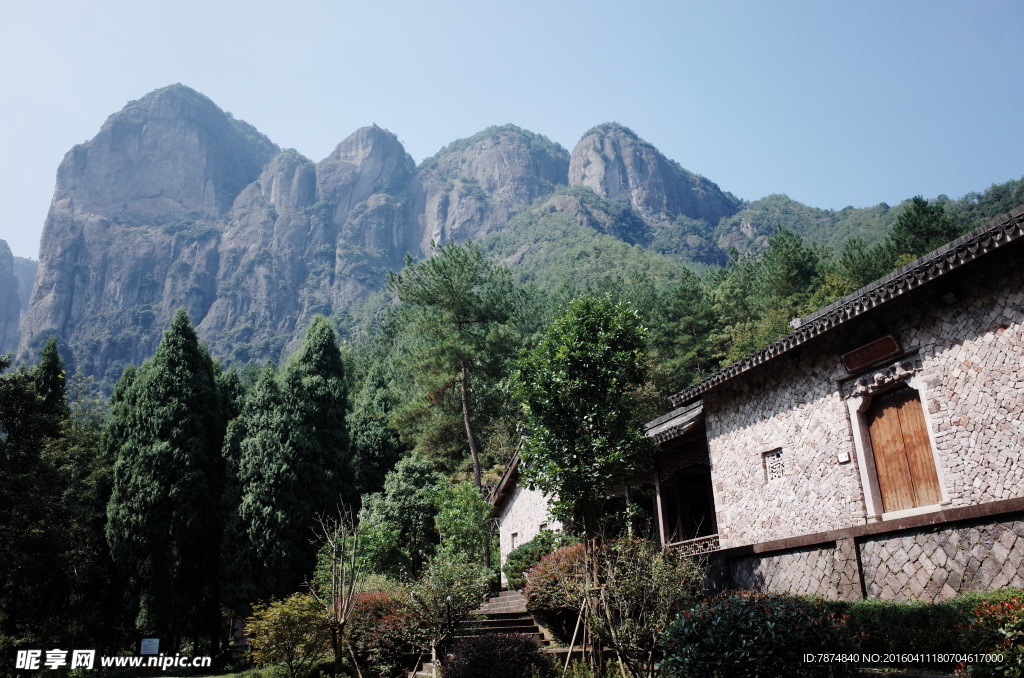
pixel 858 395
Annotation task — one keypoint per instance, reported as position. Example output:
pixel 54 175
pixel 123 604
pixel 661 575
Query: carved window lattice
pixel 774 468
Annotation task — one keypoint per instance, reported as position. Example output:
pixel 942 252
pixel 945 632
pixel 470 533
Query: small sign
pixel 150 646
pixel 872 354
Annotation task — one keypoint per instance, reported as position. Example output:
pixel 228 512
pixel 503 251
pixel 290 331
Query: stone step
pixel 523 629
pixel 500 622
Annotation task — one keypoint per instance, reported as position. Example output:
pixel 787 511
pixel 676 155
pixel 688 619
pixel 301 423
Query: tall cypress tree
pixel 315 402
pixel 167 428
pixel 290 448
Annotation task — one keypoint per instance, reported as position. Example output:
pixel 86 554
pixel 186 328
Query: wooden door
pixel 903 455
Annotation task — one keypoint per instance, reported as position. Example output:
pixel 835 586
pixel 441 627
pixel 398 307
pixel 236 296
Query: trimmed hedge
pixel 744 634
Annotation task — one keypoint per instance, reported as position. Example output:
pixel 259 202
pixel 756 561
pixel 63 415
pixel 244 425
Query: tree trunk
pixel 469 430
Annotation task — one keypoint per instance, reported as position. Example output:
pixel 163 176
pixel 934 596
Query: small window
pixel 773 465
pixel 515 538
pixel 543 527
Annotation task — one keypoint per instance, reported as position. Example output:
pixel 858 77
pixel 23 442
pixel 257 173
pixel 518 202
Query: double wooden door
pixel 902 453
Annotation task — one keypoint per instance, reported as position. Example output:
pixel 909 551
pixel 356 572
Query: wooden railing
pixel 695 547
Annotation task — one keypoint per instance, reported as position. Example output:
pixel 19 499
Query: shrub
pixel 497 656
pixel 556 582
pixel 292 631
pixel 554 589
pixel 996 627
pixel 642 590
pixel 755 634
pixel 384 635
pixel 892 628
pixel 528 554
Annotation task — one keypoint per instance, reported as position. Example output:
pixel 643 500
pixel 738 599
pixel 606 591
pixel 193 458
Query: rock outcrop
pixel 134 226
pixel 25 272
pixel 10 304
pixel 175 204
pixel 473 186
pixel 618 165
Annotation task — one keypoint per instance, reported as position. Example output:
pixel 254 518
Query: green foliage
pixel 166 428
pixel 523 557
pixel 288 461
pixel 457 308
pixel 996 627
pixel 397 527
pixel 54 484
pixel 755 634
pixel 642 590
pixel 920 228
pixel 574 387
pixel 498 655
pixel 464 524
pixel 376 447
pixel 445 597
pixel 292 631
pixel 887 627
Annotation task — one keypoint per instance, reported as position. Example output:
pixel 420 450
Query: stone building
pixel 877 451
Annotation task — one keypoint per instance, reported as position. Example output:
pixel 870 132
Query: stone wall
pixel 967 369
pixel 523 515
pixel 939 564
pixel 929 564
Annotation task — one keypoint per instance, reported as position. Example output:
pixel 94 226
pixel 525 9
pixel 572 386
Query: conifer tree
pixel 164 524
pixel 460 306
pixel 315 401
pixel 288 460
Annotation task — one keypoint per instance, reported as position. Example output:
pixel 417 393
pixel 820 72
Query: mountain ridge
pixel 177 204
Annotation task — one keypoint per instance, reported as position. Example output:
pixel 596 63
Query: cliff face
pixel 10 304
pixel 618 165
pixel 473 186
pixel 134 226
pixel 175 204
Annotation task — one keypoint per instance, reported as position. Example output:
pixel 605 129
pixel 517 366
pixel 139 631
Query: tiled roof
pixel 951 256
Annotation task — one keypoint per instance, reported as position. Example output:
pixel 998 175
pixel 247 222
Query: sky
pixel 832 103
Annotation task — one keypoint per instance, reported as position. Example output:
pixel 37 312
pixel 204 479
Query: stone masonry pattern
pixel 971 383
pixel 929 564
pixel 830 572
pixel 935 565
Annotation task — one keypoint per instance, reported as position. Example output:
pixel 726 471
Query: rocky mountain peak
pixel 171 153
pixel 618 165
pixel 368 161
pixel 474 185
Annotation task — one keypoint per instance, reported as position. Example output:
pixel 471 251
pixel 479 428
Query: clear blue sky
pixel 832 103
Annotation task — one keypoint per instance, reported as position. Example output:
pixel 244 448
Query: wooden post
pixel 658 504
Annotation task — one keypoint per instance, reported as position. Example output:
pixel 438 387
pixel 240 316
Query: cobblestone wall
pixel 829 571
pixel 939 564
pixel 931 564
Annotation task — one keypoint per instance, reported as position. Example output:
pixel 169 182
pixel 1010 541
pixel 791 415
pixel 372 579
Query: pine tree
pixel 920 228
pixel 164 527
pixel 459 305
pixel 375 444
pixel 315 401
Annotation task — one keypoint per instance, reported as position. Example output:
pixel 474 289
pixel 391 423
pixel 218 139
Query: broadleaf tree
pixel 585 439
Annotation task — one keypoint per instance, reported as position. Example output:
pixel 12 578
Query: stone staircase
pixel 504 613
